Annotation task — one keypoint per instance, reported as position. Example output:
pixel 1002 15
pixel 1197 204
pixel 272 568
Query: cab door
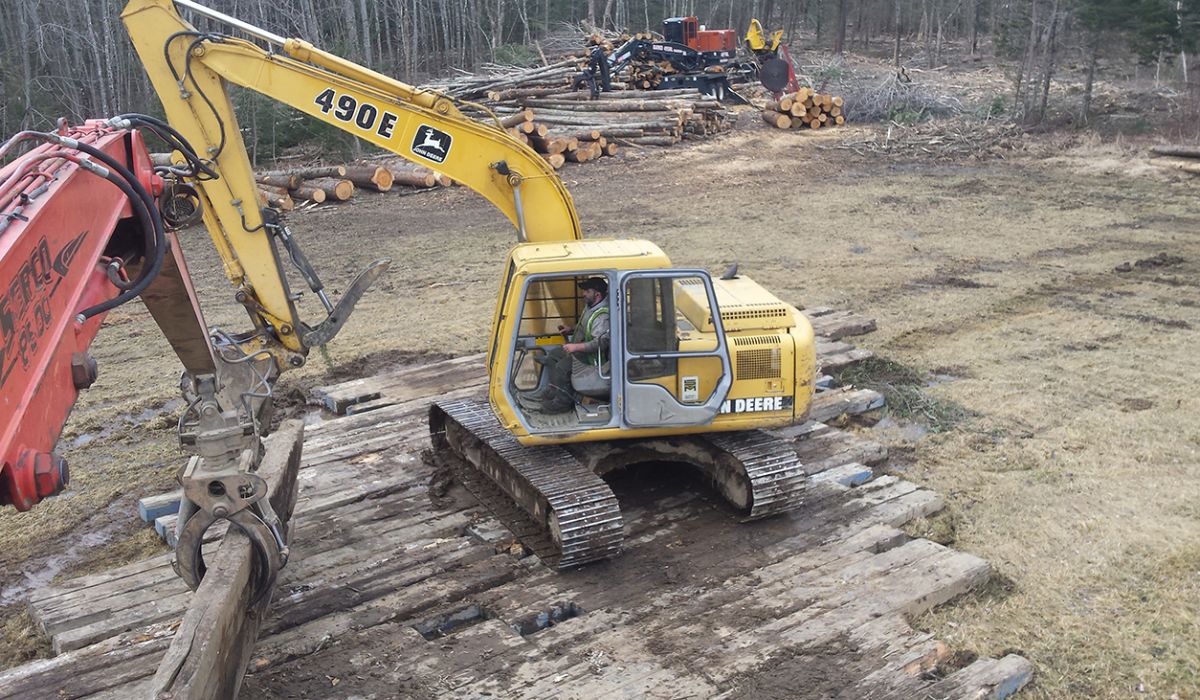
pixel 676 369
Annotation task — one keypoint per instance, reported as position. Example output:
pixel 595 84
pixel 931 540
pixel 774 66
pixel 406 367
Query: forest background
pixel 75 60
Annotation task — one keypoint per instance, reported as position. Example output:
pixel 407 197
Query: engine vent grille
pixel 762 311
pixel 756 340
pixel 758 364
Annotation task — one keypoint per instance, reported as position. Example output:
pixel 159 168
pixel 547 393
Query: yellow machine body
pixel 752 364
pixel 758 40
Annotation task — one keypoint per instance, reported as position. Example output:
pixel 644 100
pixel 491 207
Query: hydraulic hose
pixel 156 254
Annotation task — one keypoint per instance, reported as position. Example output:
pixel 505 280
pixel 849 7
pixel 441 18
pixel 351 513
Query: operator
pixel 581 365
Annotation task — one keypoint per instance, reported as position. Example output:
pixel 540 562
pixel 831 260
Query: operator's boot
pixel 553 400
pixel 559 400
pixel 555 373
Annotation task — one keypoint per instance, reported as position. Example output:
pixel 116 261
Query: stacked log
pixel 371 176
pixel 276 197
pixel 804 109
pixel 580 129
pixel 539 105
pixel 281 189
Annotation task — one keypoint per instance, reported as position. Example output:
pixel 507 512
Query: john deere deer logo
pixel 431 144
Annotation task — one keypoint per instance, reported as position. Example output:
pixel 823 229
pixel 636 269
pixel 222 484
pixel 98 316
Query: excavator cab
pixel 666 365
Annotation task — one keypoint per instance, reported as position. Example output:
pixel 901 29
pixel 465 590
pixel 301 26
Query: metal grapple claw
pixel 239 496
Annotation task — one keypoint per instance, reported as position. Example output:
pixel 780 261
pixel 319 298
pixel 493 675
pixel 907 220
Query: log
pixel 525 115
pixel 1183 164
pixel 625 106
pixel 549 145
pixel 212 646
pixel 1177 151
pixel 651 141
pixel 414 178
pixel 371 176
pixel 312 194
pixel 777 120
pixel 275 200
pixel 287 182
pixel 555 160
pixel 622 132
pixel 338 190
pixel 313 172
pixel 579 155
pixel 610 149
pixel 784 104
pixel 580 135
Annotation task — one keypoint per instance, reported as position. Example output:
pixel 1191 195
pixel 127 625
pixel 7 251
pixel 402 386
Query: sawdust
pixel 1085 500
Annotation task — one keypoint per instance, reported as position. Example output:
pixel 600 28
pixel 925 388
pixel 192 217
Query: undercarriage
pixel 554 499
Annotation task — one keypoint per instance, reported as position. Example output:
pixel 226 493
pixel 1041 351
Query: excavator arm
pixel 190 70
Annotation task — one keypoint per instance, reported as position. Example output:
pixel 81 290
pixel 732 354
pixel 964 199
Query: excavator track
pixel 776 476
pixel 566 513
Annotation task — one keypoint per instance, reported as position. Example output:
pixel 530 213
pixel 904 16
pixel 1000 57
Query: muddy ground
pixel 1076 474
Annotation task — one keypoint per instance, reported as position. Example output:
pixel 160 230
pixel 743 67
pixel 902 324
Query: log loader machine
pixel 691 56
pixel 698 366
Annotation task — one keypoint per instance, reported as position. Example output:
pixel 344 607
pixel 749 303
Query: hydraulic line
pixel 156 255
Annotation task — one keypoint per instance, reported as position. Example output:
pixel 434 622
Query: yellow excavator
pixel 694 368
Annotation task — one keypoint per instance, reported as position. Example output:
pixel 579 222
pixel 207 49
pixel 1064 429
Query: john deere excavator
pixel 697 366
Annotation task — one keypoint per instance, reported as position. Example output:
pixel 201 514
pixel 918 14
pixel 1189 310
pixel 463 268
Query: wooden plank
pixel 842 324
pixel 401 603
pixel 374 558
pixel 832 403
pixel 208 655
pixel 153 507
pixel 986 679
pixel 364 406
pixel 839 361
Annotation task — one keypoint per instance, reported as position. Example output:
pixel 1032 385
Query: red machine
pixel 68 221
pixel 687 31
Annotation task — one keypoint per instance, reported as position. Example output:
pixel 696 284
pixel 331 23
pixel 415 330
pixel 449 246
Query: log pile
pixel 566 129
pixel 1182 158
pixel 541 106
pixel 283 189
pixel 804 108
pixel 579 129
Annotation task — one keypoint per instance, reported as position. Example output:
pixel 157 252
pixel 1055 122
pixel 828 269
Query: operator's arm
pixel 600 333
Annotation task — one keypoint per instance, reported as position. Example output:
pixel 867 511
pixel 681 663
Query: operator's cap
pixel 597 283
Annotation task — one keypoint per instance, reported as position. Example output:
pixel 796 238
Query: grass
pixel 19 639
pixel 905 390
